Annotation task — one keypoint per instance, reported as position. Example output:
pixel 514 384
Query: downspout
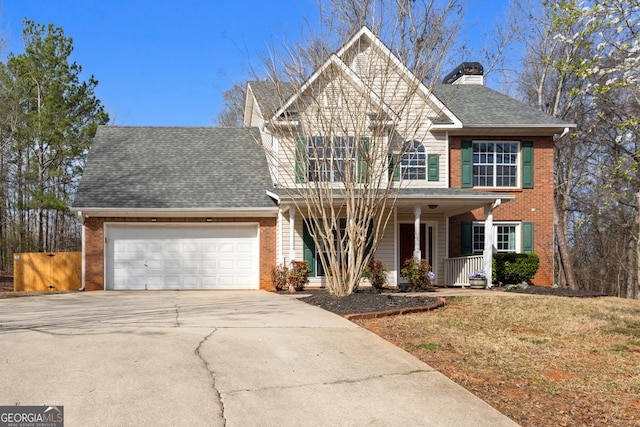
pixel 83 263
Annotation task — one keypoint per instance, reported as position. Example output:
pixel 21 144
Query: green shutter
pixel 527 164
pixel 363 155
pixel 466 149
pixel 433 167
pixel 368 250
pixel 394 167
pixel 467 238
pixel 309 249
pixel 301 159
pixel 527 237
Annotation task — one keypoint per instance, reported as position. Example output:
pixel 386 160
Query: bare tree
pixel 582 66
pixel 232 111
pixel 547 86
pixel 344 129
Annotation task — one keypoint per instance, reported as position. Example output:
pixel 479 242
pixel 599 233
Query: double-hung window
pixel 414 161
pixel 495 163
pixel 506 237
pixel 331 158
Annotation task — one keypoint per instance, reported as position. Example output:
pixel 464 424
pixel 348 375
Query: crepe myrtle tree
pixel 343 132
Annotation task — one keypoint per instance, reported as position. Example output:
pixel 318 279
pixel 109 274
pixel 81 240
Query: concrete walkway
pixel 202 358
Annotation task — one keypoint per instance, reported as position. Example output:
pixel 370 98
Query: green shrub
pixel 298 275
pixel 279 277
pixel 376 272
pixel 511 268
pixel 291 278
pixel 417 273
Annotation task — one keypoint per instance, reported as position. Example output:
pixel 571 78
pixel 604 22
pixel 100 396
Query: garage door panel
pixel 173 281
pixel 135 248
pixel 227 281
pixel 244 264
pixel 190 247
pixel 173 264
pixel 211 247
pixel 209 264
pixel 182 257
pixel 174 248
pixel 244 248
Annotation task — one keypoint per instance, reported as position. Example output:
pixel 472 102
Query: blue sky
pixel 167 62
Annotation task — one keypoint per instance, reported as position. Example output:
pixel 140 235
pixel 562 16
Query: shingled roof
pixel 270 96
pixel 479 106
pixel 474 105
pixel 175 168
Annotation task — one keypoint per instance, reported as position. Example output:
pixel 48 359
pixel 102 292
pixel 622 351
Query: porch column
pixel 417 210
pixel 292 233
pixel 487 254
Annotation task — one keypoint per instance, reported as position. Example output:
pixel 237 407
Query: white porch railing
pixel 457 270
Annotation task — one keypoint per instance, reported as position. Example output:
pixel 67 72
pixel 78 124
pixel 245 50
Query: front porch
pixel 418 226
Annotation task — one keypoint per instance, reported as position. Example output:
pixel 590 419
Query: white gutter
pixel 178 212
pixel 564 132
pixel 274 196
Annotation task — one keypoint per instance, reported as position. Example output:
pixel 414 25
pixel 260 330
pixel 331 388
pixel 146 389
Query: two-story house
pixel 214 208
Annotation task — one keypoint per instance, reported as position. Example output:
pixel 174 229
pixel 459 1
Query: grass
pixel 541 360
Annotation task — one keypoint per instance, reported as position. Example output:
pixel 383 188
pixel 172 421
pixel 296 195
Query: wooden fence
pixel 47 271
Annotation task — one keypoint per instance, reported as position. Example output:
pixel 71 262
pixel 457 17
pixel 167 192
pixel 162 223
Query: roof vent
pixel 466 73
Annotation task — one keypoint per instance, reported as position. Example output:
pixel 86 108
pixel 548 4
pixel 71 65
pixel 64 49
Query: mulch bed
pixel 369 301
pixel 366 301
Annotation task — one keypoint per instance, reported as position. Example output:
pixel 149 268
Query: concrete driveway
pixel 215 358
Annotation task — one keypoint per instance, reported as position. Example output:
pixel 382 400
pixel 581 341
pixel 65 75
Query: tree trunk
pixel 563 248
pixel 635 292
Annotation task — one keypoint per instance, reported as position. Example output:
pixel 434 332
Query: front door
pixel 407 242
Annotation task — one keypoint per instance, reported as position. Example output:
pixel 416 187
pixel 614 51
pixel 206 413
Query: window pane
pixel 478 238
pixel 414 161
pixel 495 164
pixel 506 238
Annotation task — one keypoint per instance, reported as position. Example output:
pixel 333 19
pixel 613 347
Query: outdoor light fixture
pixel 433 206
pixel 209 219
pixel 154 219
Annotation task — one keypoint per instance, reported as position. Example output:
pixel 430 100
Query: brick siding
pixel 95 246
pixel 531 205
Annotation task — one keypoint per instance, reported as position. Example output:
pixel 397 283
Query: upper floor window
pixel 331 159
pixel 495 164
pixel 414 161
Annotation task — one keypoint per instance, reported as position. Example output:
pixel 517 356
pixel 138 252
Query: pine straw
pixel 539 360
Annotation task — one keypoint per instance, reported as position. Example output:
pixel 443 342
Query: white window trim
pixel 426 163
pixel 496 224
pixel 518 162
pixel 348 161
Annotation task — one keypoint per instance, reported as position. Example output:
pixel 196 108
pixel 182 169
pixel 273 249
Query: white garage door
pixel 161 256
